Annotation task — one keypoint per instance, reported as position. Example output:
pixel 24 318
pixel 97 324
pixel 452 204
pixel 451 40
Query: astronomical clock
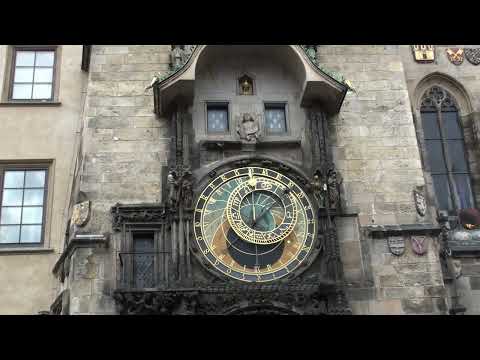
pixel 250 194
pixel 254 224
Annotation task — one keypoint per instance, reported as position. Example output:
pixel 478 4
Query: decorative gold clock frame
pixel 254 224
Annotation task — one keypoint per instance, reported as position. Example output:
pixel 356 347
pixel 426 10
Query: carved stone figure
pixel 246 86
pixel 248 128
pixel 173 184
pixel 81 213
pixel 319 190
pixel 176 57
pixel 333 186
pixel 396 245
pixel 187 190
pixel 179 55
pixel 476 131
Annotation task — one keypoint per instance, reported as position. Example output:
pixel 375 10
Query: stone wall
pixel 125 147
pixel 125 144
pixel 375 144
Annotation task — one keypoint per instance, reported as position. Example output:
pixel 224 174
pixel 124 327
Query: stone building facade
pixel 345 126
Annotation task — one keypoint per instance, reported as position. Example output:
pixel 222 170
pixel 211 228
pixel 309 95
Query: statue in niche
pixel 319 190
pixel 246 85
pixel 176 57
pixel 187 190
pixel 173 184
pixel 334 180
pixel 248 128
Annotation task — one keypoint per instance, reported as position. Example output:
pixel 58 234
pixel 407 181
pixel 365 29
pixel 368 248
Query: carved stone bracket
pixel 61 267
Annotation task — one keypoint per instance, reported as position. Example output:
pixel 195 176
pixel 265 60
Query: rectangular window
pixel 144 260
pixel 22 205
pixel 275 119
pixel 33 74
pixel 217 118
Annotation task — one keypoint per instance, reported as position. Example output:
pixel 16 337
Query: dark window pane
pixel 31 234
pixel 451 125
pixel 11 215
pixel 35 178
pixel 442 191
pixel 430 125
pixel 456 153
pixel 464 190
pixel 275 120
pixel 435 157
pixel 12 197
pixel 217 119
pixel 9 234
pixel 13 179
pixel 143 264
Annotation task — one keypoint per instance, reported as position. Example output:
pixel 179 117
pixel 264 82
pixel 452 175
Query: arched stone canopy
pixel 459 93
pixel 316 87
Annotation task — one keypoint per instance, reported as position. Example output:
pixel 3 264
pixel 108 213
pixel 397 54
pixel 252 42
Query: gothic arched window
pixel 445 151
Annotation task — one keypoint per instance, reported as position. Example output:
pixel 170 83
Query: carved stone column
pixel 327 180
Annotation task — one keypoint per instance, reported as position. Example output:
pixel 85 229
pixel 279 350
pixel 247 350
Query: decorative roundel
pixel 254 224
pixel 267 222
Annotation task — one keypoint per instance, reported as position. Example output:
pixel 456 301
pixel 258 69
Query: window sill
pixel 25 251
pixel 30 103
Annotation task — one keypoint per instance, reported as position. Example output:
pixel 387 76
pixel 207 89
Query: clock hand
pixel 253 209
pixel 286 191
pixel 264 211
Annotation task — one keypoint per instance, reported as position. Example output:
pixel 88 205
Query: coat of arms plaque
pixel 419 244
pixel 396 245
pixel 455 55
pixel 473 55
pixel 423 53
pixel 81 213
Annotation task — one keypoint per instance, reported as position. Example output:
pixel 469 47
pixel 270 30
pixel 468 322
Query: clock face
pixel 254 224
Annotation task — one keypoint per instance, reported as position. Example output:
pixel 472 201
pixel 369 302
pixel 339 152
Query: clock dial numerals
pixel 254 224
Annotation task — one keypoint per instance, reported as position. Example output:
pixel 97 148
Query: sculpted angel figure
pixel 248 128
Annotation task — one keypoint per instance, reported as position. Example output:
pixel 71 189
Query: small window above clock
pixel 275 119
pixel 217 118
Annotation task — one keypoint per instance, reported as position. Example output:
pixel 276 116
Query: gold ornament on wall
pixel 246 85
pixel 424 53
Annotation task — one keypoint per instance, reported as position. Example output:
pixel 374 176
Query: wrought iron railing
pixel 143 269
